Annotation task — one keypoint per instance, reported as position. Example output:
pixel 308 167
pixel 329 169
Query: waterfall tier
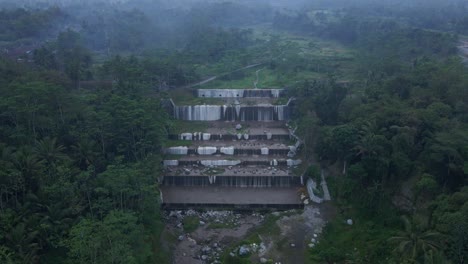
pixel 244 162
pixel 227 197
pixel 177 150
pixel 239 93
pixel 231 137
pixel 206 150
pixel 232 113
pixel 233 181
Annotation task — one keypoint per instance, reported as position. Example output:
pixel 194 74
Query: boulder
pixel 206 249
pixel 244 250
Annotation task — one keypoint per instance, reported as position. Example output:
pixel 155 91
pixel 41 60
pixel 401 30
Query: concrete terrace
pixel 226 196
pixel 229 164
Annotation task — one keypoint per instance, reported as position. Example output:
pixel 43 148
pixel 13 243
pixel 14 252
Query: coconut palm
pixel 49 151
pixel 414 244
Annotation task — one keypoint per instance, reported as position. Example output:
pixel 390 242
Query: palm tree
pixel 414 244
pixel 24 242
pixel 85 154
pixel 49 151
pixel 55 222
pixel 29 167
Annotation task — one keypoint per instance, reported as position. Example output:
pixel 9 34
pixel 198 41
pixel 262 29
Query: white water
pixel 291 162
pixel 177 150
pixel 227 150
pixel 220 162
pixel 238 93
pixel 186 136
pixel 206 150
pixel 206 136
pixel 171 163
pixel 232 112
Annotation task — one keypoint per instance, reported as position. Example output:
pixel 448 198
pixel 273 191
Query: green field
pixel 287 59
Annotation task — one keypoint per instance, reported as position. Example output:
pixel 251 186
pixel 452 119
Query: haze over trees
pixel 82 128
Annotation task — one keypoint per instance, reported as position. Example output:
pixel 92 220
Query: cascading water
pixel 233 181
pixel 177 150
pixel 254 167
pixel 227 150
pixel 210 163
pixel 232 112
pixel 206 150
pixel 171 163
pixel 291 162
pixel 239 93
pixel 186 136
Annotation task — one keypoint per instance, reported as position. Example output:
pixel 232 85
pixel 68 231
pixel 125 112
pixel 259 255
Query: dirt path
pixel 256 74
pixel 212 78
pixel 463 48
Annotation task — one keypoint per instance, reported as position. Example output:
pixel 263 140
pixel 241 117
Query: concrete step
pixel 238 171
pixel 233 198
pixel 228 160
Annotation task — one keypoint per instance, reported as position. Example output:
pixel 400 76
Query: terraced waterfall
pixel 243 159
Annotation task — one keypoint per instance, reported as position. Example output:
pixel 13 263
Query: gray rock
pixel 206 249
pixel 192 241
pixel 202 223
pixel 263 260
pixel 313 240
pixel 244 250
pixel 204 257
pixel 293 245
pixel 311 245
pixel 232 254
pixel 181 237
pixel 262 248
pixel 349 221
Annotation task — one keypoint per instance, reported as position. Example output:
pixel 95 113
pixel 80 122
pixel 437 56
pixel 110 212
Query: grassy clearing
pixel 186 97
pixel 268 227
pixel 288 59
pixel 191 223
pixel 181 126
pixel 339 241
pixel 214 171
pixel 177 143
pixel 221 225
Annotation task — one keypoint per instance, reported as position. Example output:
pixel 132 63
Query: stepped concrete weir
pixel 243 159
pixel 232 112
pixel 239 93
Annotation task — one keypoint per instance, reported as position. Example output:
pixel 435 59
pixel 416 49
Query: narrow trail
pixel 212 78
pixel 463 47
pixel 256 74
